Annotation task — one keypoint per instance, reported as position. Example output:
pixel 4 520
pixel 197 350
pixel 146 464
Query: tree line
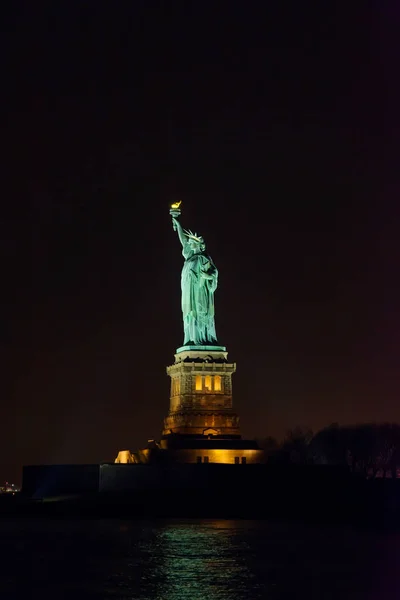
pixel 370 450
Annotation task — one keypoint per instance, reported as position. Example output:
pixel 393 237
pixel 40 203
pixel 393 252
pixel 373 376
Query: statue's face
pixel 195 246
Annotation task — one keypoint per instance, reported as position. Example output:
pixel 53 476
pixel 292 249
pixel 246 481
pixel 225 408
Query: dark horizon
pixel 278 128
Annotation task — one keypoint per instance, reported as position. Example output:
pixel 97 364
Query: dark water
pixel 192 560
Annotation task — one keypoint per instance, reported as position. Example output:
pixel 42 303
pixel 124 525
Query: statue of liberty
pixel 198 282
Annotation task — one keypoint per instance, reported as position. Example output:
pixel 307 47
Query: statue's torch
pixel 175 211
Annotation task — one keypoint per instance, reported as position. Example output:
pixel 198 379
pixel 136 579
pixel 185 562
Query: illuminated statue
pixel 199 282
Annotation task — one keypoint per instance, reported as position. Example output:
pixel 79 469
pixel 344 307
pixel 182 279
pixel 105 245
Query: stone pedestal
pixel 201 426
pixel 201 393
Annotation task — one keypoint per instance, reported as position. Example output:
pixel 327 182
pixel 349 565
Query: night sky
pixel 277 125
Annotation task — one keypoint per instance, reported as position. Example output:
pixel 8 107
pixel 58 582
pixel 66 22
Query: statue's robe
pixel 198 298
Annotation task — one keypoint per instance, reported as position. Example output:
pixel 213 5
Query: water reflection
pixel 202 560
pixel 182 561
pixel 240 560
pixel 207 560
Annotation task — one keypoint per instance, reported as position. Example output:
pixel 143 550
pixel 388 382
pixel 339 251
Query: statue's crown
pixel 194 236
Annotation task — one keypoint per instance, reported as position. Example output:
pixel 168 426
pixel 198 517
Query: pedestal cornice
pixel 205 353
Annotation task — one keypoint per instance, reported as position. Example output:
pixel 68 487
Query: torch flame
pixel 176 204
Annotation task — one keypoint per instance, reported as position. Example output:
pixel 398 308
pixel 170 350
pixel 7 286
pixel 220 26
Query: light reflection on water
pixel 206 561
pixel 190 560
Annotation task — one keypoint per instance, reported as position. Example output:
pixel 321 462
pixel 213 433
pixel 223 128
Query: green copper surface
pixel 203 348
pixel 199 281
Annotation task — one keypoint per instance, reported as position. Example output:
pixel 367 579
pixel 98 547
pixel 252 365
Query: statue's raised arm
pixel 198 282
pixel 175 212
pixel 178 228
